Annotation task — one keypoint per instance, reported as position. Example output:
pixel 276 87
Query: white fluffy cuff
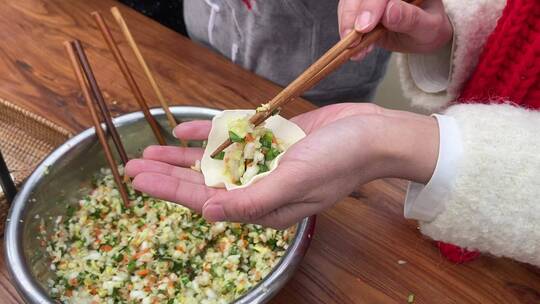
pixel 494 205
pixel 473 22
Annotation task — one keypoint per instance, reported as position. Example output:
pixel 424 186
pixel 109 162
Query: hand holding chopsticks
pixel 329 62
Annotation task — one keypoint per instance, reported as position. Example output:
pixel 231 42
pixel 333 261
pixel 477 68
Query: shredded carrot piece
pixel 73 282
pixel 140 253
pixel 143 272
pixel 106 248
pixel 180 248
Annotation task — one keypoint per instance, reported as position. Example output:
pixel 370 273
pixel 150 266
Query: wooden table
pixel 358 243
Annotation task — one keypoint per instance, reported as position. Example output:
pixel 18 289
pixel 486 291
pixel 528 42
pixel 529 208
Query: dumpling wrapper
pixel 213 169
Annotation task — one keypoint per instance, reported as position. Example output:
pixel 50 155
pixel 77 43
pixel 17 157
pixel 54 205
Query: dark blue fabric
pixel 167 12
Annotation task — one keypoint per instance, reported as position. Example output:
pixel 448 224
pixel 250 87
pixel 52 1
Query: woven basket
pixel 25 140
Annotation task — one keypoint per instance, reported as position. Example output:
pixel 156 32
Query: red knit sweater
pixel 509 67
pixel 508 71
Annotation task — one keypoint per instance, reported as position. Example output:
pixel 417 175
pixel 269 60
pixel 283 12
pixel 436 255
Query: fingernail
pixel 173 134
pixel 363 21
pixel 214 212
pixel 393 14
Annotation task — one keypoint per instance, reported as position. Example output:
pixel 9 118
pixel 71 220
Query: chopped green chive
pixel 213 271
pixel 234 137
pixel 185 280
pixel 131 266
pixel 176 267
pixel 263 168
pixel 236 231
pixel 119 257
pixel 266 140
pixel 271 154
pixel 70 211
pixel 233 250
pixel 272 243
pixel 220 155
pixel 228 287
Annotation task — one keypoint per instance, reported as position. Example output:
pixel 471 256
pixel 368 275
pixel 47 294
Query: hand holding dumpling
pixel 346 145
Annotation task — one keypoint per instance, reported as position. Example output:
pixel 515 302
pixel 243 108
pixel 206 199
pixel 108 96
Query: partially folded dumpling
pixel 255 151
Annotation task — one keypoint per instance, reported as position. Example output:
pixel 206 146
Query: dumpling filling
pixel 252 152
pixel 255 152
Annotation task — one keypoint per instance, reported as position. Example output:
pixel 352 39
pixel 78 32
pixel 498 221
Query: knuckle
pixel 442 25
pixel 412 19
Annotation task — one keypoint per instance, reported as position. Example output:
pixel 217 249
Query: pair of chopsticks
pixel 85 76
pixel 6 182
pixel 121 62
pixel 92 93
pixel 328 63
pixel 128 76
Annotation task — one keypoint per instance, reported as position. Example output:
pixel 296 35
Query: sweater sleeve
pixel 473 21
pixel 494 201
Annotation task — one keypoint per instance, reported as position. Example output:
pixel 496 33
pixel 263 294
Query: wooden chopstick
pixel 322 67
pixel 127 34
pixel 329 62
pixel 96 94
pixel 75 55
pixel 6 182
pixel 121 62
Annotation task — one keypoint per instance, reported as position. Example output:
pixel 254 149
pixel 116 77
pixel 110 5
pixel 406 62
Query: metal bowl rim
pixel 29 288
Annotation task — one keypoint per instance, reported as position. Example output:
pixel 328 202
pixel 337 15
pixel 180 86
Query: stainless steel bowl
pixel 65 176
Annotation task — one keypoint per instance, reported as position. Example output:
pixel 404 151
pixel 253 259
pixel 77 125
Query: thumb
pixel 253 202
pixel 347 12
pixel 405 18
pixel 362 15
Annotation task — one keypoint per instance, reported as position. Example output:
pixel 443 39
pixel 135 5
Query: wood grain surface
pixel 358 243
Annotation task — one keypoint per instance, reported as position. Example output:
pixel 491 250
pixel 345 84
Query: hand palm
pixel 309 178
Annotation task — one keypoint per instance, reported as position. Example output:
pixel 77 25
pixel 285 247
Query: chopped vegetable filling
pixel 252 151
pixel 153 252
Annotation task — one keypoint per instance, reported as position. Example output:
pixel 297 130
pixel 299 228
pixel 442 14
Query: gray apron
pixel 278 39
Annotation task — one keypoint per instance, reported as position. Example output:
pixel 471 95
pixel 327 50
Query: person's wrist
pixel 407 145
